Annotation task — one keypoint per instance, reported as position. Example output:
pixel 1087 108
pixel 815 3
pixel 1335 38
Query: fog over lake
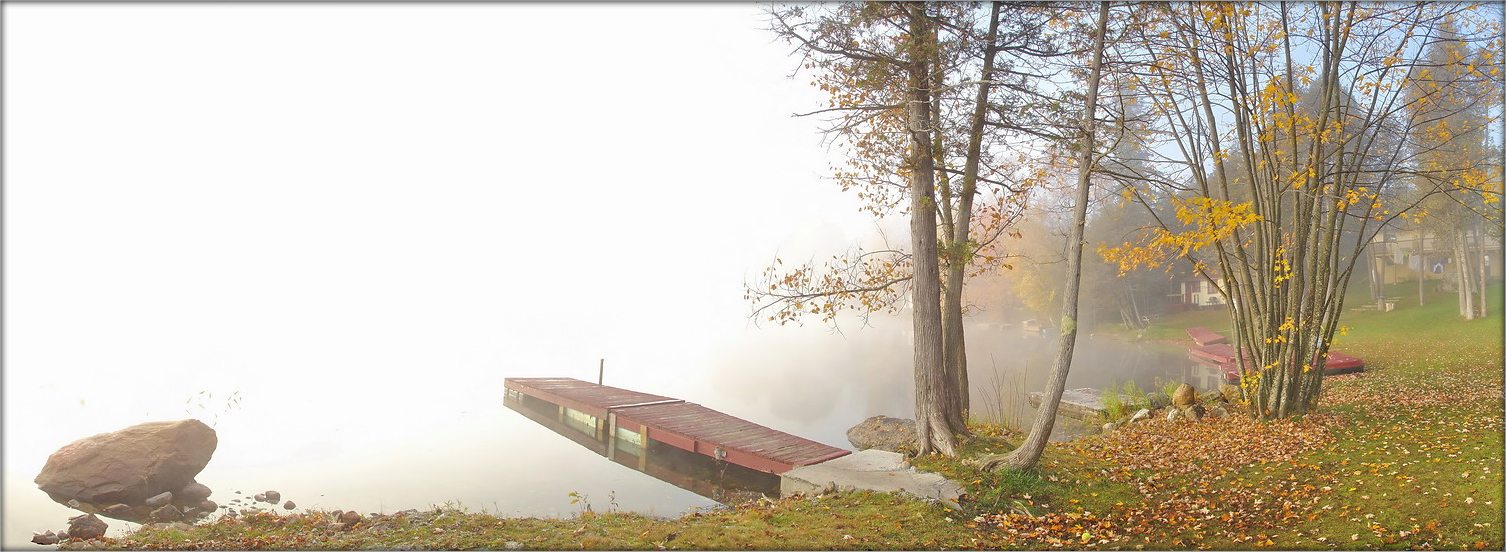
pixel 333 247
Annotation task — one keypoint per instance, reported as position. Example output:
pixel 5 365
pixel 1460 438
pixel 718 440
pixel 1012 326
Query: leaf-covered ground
pixel 1405 455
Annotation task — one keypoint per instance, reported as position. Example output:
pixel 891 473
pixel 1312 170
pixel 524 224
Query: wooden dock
pixel 1222 356
pixel 621 414
pixel 1205 336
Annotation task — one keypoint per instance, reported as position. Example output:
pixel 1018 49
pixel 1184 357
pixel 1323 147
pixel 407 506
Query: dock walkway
pixel 642 417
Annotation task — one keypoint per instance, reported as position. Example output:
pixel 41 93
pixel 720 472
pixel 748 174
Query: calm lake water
pixel 384 444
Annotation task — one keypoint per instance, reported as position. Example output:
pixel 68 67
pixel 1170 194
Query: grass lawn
pixel 1405 455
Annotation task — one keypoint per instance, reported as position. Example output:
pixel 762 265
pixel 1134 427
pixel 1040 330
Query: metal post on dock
pixel 601 370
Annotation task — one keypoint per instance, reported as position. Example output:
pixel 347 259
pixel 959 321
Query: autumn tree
pixel 911 102
pixel 1266 190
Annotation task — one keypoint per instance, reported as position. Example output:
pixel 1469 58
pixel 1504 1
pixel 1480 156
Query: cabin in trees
pixel 1400 255
pixel 1191 291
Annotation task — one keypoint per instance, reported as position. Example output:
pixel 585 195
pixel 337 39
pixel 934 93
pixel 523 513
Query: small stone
pixel 194 492
pixel 207 505
pixel 513 545
pixel 1141 414
pixel 117 511
pixel 259 497
pixel 1108 427
pixel 289 505
pixel 1173 414
pixel 1194 411
pixel 44 539
pixel 273 497
pixel 167 513
pixel 350 518
pixel 73 503
pixel 86 527
pixel 1217 411
pixel 1230 393
pixel 159 500
pixel 63 535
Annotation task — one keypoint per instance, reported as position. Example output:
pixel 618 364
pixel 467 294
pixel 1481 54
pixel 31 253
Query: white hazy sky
pixel 283 198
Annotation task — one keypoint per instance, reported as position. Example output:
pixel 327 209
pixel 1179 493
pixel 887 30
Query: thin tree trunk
pixel 933 432
pixel 1035 443
pixel 961 249
pixel 1483 276
pixel 1422 266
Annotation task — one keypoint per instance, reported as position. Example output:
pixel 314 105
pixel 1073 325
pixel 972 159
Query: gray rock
pixel 289 505
pixel 1184 396
pixel 1108 427
pixel 273 497
pixel 63 535
pixel 158 501
pixel 73 503
pixel 130 465
pixel 119 511
pixel 513 545
pixel 193 492
pixel 350 518
pixel 1194 411
pixel 883 433
pixel 1217 411
pixel 1173 414
pixel 1142 414
pixel 167 513
pixel 44 539
pixel 86 527
pixel 259 497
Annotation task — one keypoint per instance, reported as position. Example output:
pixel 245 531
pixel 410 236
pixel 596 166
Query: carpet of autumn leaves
pixel 1406 455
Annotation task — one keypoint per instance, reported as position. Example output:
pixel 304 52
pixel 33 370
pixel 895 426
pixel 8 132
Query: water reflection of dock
pixel 719 481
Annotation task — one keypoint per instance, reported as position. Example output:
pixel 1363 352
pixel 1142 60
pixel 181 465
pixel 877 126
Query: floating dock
pixel 621 415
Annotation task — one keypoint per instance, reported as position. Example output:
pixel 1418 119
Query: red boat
pixel 1222 356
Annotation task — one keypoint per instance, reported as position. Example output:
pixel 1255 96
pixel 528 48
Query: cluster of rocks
pixel 1185 404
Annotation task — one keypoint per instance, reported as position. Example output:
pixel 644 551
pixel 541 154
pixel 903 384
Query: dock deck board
pixel 682 424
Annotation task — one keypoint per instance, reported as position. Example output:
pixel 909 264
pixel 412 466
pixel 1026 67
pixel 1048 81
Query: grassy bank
pixel 1405 455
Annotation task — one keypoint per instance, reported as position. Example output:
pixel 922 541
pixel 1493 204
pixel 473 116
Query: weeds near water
pixel 1004 398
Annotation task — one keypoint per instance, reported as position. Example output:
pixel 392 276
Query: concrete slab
pixel 871 470
pixel 1083 403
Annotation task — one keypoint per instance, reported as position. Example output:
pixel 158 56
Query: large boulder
pixel 883 433
pixel 1183 396
pixel 129 466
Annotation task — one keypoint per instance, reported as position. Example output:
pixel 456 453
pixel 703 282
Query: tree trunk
pixel 1484 275
pixel 961 248
pixel 1035 443
pixel 1422 266
pixel 933 432
pixel 1462 272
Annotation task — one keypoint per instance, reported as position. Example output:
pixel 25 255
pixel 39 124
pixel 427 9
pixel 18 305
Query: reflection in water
pixel 714 479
